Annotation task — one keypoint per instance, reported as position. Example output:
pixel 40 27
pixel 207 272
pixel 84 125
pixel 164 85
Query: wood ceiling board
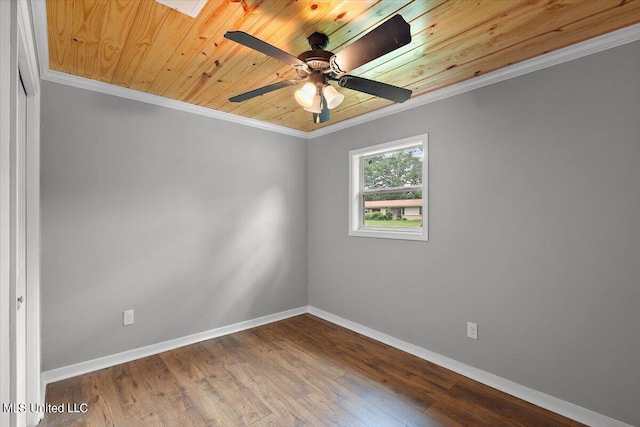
pixel 481 40
pixel 190 45
pixel 159 50
pixel 149 19
pixel 437 50
pixel 60 18
pixel 490 60
pixel 115 33
pixel 437 26
pixel 496 36
pixel 201 63
pixel 146 46
pixel 86 27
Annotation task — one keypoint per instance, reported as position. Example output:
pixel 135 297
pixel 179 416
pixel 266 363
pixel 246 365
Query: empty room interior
pixel 295 212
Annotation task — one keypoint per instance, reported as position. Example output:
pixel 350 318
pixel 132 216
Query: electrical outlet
pixel 472 330
pixel 127 317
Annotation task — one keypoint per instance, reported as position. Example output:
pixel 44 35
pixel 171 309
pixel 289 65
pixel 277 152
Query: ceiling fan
pixel 317 67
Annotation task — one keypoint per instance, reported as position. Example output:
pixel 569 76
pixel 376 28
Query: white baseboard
pixel 127 356
pixel 537 398
pixel 543 400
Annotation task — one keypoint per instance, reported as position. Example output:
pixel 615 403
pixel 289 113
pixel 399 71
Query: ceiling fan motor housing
pixel 316 59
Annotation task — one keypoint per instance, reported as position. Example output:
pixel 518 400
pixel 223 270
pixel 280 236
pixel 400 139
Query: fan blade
pixel 264 47
pixel 383 39
pixel 263 90
pixel 372 87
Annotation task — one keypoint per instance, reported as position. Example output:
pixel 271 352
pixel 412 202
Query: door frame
pixel 17 45
pixel 28 66
pixel 8 79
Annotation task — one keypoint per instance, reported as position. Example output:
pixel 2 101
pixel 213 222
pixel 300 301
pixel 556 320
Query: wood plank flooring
pixel 302 371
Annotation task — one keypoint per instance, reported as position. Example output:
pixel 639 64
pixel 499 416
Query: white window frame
pixel 356 187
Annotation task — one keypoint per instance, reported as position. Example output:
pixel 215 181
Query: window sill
pixel 391 233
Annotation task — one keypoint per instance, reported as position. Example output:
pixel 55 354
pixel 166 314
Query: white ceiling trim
pixel 597 44
pixel 123 92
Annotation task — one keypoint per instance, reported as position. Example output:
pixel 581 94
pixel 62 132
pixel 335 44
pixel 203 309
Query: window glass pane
pixel 393 169
pixel 388 190
pixel 398 209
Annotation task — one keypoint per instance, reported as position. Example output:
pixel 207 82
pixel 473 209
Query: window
pixel 388 190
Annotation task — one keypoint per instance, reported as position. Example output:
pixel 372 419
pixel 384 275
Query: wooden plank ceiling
pixel 146 46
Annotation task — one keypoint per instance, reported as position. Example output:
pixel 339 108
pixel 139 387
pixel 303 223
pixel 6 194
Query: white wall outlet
pixel 127 317
pixel 472 330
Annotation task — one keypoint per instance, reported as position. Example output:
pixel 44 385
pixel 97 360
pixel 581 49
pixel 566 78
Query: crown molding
pixel 109 89
pixel 588 47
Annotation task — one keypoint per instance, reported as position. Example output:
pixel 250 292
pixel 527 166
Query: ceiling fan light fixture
pixel 316 107
pixel 305 96
pixel 332 96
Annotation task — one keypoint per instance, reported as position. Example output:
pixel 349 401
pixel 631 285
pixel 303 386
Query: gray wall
pixel 193 222
pixel 534 232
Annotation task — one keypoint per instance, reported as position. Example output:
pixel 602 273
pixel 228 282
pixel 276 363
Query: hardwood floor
pixel 299 371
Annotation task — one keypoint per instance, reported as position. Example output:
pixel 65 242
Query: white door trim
pixel 8 80
pixel 28 66
pixel 18 291
pixel 17 49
